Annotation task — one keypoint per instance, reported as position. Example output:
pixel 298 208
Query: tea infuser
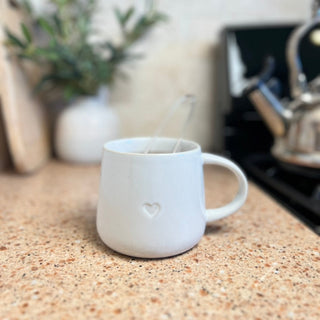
pixel 186 99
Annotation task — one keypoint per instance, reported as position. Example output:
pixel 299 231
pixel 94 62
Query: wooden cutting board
pixel 24 118
pixel 4 152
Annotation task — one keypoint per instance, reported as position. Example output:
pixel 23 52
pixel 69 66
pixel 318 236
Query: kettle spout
pixel 276 116
pixel 270 107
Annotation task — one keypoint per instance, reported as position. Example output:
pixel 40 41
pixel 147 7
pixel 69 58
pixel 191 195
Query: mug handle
pixel 239 199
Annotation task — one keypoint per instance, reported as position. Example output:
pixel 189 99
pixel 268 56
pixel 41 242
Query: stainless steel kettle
pixel 295 124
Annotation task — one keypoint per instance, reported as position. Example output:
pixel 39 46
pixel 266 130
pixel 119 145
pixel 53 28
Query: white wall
pixel 179 59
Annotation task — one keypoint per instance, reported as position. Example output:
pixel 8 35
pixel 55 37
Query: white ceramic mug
pixel 153 205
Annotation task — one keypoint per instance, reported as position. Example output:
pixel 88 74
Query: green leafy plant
pixel 72 64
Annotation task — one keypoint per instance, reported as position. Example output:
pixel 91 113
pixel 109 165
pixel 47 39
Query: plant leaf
pixel 69 92
pixel 126 17
pixel 110 46
pixel 42 82
pixel 26 33
pixel 58 24
pixel 13 40
pixel 118 14
pixel 159 16
pixel 27 6
pixel 123 18
pixel 46 26
pixel 54 78
pixel 48 54
pixel 24 56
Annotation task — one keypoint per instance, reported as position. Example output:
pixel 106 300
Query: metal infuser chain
pixel 189 100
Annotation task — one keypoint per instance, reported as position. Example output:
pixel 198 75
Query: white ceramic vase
pixel 83 127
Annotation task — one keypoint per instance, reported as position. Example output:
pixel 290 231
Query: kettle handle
pixel 298 79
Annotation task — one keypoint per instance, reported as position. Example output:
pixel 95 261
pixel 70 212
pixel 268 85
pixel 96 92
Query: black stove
pixel 298 193
pixel 247 140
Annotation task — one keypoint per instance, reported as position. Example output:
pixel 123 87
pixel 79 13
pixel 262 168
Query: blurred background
pixel 181 56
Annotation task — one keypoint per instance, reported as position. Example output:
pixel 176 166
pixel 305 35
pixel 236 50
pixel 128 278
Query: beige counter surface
pixel 260 263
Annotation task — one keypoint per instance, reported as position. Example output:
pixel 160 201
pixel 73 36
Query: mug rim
pixel 195 147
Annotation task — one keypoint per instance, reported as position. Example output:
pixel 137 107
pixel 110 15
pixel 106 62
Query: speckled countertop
pixel 260 263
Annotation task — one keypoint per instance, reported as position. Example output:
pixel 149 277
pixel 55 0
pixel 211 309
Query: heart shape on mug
pixel 151 209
